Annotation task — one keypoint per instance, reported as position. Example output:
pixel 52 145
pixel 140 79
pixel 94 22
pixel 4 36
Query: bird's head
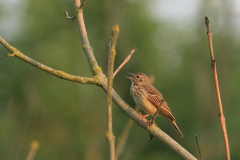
pixel 139 78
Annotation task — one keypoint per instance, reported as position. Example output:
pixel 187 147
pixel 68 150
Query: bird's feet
pixel 142 116
pixel 150 123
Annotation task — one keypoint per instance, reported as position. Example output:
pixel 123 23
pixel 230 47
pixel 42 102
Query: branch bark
pixel 111 58
pixel 16 53
pixel 214 68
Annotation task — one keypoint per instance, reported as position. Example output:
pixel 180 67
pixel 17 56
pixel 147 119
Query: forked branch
pixel 101 80
pixel 214 68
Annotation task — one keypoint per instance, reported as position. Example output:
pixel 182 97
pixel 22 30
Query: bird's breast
pixel 140 98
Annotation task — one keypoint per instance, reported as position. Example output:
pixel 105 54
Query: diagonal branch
pixel 214 68
pixel 111 58
pixel 125 61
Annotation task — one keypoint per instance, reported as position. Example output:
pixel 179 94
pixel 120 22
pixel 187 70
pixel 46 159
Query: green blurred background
pixel 70 120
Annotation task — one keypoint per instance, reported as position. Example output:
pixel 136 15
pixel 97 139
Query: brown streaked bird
pixel 149 98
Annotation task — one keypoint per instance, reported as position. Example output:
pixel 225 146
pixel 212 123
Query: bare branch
pixel 85 42
pixel 214 68
pixel 16 53
pixel 33 150
pixel 198 148
pixel 111 58
pixel 125 61
pixel 68 17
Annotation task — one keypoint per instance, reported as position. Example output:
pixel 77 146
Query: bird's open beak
pixel 130 77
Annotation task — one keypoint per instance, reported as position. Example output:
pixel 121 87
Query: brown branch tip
pixel 207 22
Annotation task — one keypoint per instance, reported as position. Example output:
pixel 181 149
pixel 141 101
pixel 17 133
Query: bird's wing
pixel 156 98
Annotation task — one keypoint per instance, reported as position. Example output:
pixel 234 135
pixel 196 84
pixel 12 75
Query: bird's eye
pixel 137 76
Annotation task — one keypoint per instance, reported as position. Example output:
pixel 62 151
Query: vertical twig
pixel 33 150
pixel 111 58
pixel 214 68
pixel 125 61
pixel 198 148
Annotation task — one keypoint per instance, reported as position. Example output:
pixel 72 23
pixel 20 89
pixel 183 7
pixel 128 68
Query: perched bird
pixel 149 99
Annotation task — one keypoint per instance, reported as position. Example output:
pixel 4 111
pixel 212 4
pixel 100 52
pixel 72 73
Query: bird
pixel 149 99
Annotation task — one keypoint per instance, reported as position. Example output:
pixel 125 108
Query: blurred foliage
pixel 70 120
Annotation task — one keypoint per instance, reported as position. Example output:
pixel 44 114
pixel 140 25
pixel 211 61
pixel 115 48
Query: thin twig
pixel 33 150
pixel 68 17
pixel 111 58
pixel 214 68
pixel 198 148
pixel 123 138
pixel 82 4
pixel 57 73
pixel 125 61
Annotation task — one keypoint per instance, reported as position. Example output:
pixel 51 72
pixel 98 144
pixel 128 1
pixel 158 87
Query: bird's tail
pixel 177 129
